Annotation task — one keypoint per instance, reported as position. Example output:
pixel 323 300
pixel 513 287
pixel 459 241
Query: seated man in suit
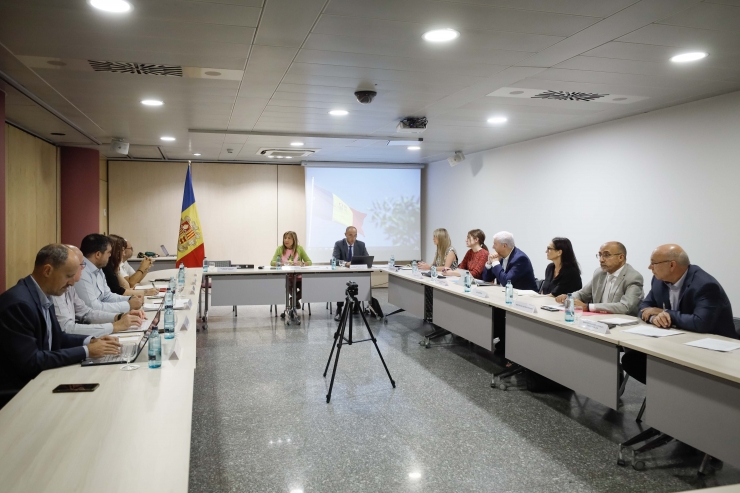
pixel 682 296
pixel 75 317
pixel 616 286
pixel 511 264
pixel 31 339
pixel 344 250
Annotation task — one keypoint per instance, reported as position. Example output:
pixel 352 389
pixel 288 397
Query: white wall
pixel 669 176
pixel 244 209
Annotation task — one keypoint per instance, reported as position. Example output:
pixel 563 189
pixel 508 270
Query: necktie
pixel 350 254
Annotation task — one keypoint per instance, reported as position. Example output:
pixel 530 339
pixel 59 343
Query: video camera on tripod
pixel 352 290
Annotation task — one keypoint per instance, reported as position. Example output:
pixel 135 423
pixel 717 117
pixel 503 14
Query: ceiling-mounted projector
pixel 118 146
pixel 412 125
pixel 458 158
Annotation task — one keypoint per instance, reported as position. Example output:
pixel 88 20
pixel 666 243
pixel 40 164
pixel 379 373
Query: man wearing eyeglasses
pixel 616 286
pixel 682 296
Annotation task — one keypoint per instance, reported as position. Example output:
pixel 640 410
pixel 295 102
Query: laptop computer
pixel 363 259
pixel 115 359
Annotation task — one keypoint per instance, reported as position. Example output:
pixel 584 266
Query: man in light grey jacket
pixel 615 288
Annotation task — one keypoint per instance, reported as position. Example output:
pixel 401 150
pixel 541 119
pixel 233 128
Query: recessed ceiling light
pixel 168 139
pixel 271 157
pixel 339 112
pixel 413 148
pixel 196 154
pixel 440 35
pixel 279 157
pixel 117 6
pixel 498 119
pixel 288 157
pixel 152 102
pixel 414 475
pixel 296 144
pixel 689 57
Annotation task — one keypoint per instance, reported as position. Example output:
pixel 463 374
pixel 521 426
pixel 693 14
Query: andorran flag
pixel 190 249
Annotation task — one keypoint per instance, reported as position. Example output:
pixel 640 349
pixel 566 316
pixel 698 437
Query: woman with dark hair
pixel 563 275
pixel 475 259
pixel 112 270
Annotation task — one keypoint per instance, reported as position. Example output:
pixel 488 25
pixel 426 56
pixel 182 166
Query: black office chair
pixel 539 283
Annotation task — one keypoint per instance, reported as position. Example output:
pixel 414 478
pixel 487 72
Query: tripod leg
pixel 339 349
pixel 372 337
pixel 339 333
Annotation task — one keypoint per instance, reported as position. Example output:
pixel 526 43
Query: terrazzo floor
pixel 261 422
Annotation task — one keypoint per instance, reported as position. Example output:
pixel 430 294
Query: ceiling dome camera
pixel 365 97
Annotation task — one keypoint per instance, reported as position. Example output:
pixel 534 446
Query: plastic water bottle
pixel 155 349
pixel 392 262
pixel 181 277
pixel 279 263
pixel 333 263
pixel 434 272
pixel 205 265
pixel 173 284
pixel 570 308
pixel 468 281
pixel 414 268
pixel 509 293
pixel 169 323
pixel 169 298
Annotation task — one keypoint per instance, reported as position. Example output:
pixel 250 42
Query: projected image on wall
pixel 383 204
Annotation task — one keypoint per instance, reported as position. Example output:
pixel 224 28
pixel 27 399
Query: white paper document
pixel 646 330
pixel 525 292
pixel 714 344
pixel 619 321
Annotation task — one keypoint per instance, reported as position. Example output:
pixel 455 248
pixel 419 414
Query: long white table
pixel 693 393
pixel 90 442
pixel 268 286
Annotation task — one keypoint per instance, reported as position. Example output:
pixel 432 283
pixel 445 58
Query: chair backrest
pixel 737 324
pixel 222 263
pixel 539 283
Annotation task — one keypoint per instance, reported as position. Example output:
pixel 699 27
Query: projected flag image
pixel 329 206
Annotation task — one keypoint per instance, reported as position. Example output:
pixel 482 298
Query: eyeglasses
pixel 653 264
pixel 606 255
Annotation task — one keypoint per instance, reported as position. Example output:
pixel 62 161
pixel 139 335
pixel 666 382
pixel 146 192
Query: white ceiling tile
pixel 685 38
pixel 664 69
pixel 707 16
pixel 396 63
pixel 287 22
pixel 462 16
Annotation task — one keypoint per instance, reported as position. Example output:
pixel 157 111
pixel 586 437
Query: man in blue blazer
pixel 346 250
pixel 682 296
pixel 31 339
pixel 511 264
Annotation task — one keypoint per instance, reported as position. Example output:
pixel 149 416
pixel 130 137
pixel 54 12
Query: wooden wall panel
pixel 291 202
pixel 32 201
pixel 237 205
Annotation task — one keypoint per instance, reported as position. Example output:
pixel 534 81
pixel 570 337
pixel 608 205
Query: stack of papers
pixel 179 305
pixel 714 345
pixel 619 321
pixel 649 331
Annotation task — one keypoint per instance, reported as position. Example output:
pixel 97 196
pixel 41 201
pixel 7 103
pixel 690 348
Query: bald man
pixel 616 286
pixel 682 296
pixel 345 250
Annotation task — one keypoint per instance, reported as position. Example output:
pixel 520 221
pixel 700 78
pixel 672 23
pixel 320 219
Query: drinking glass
pixel 434 272
pixel 578 314
pixel 128 351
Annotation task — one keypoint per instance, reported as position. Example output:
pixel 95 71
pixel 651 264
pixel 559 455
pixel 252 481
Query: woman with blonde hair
pixel 446 256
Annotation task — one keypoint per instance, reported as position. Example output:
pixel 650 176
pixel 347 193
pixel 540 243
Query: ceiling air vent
pixel 567 97
pixel 274 153
pixel 136 68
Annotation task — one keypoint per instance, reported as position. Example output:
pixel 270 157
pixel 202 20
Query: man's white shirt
pixel 96 294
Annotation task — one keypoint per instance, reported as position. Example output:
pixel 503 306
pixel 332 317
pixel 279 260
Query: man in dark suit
pixel 31 339
pixel 508 263
pixel 345 250
pixel 682 296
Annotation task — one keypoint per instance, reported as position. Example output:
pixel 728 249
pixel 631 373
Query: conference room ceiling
pixel 278 67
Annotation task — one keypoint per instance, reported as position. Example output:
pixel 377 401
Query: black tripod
pixel 339 339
